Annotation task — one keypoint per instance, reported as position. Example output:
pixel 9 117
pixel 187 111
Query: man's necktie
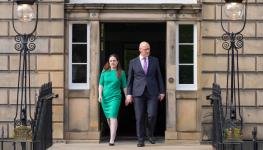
pixel 145 65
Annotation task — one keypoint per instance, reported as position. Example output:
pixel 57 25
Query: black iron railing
pixel 218 118
pixel 221 140
pixel 42 127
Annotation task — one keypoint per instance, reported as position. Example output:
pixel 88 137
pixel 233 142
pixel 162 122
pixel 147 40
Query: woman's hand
pixel 100 93
pixel 128 100
pixel 99 99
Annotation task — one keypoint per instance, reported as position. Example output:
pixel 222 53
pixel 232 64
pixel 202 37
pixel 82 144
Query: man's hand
pixel 161 97
pixel 128 100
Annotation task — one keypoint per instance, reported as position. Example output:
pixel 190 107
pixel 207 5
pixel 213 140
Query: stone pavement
pixel 128 145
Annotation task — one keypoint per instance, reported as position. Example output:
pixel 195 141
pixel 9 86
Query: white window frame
pixel 135 1
pixel 186 87
pixel 79 86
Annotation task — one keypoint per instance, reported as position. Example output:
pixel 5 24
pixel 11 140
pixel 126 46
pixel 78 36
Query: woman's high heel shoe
pixel 111 144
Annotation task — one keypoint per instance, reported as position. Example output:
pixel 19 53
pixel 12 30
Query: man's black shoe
pixel 151 140
pixel 140 145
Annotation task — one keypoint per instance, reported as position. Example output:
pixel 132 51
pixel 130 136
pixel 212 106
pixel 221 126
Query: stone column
pixel 170 133
pixel 94 68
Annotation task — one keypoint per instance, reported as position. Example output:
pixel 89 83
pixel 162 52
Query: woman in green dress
pixel 112 80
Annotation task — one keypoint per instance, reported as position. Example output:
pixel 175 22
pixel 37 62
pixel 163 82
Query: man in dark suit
pixel 145 86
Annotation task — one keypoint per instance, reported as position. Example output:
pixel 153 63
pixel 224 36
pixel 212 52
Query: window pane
pixel 79 53
pixel 186 74
pixel 79 73
pixel 186 54
pixel 79 33
pixel 186 33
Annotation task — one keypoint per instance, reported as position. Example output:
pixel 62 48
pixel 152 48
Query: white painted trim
pixel 135 1
pixel 79 86
pixel 186 87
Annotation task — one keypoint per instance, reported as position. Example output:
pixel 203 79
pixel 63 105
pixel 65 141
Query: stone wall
pixel 214 62
pixel 81 106
pixel 47 61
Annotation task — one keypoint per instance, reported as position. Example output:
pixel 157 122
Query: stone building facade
pixel 249 62
pixel 76 113
pixel 47 61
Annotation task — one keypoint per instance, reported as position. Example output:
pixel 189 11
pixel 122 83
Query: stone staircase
pixel 128 145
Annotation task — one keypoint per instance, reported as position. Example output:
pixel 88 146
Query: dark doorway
pixel 123 39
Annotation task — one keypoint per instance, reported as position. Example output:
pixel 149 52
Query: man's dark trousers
pixel 141 104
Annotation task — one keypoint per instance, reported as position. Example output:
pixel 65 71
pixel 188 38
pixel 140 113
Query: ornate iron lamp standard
pixel 23 120
pixel 232 42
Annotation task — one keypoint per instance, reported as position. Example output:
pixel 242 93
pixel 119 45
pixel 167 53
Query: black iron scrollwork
pixel 25 42
pixel 232 40
pixel 239 41
pixel 31 45
pixel 19 122
pixel 18 45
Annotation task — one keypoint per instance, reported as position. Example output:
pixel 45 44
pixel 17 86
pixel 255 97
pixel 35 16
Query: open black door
pixel 123 39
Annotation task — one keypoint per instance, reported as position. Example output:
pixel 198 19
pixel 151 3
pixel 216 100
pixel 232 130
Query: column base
pixel 172 137
pixel 92 136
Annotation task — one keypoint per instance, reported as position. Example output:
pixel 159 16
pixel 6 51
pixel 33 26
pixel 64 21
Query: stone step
pixel 128 145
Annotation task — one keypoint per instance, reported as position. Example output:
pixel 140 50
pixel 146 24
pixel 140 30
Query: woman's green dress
pixel 111 94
